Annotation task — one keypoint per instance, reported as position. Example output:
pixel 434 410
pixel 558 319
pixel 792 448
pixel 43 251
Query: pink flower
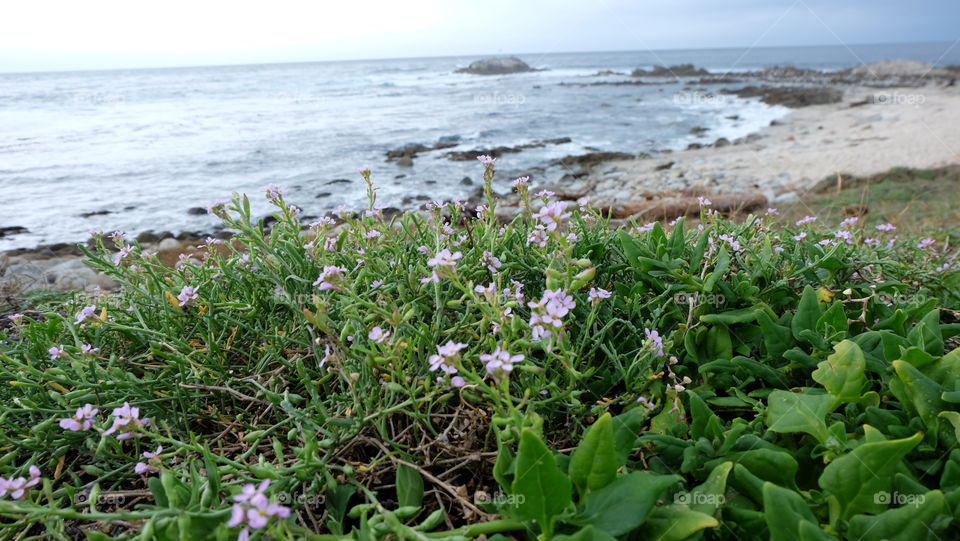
pixel 546 317
pixel 848 222
pixel 126 420
pixel 330 278
pixel 490 261
pixel 88 349
pixel 89 312
pixel 378 335
pixel 597 294
pixel 656 342
pixel 252 509
pixel 500 363
pixel 55 352
pixel 806 220
pixel 18 487
pixel 553 215
pixel 925 243
pixel 704 202
pixel 152 465
pixel 885 227
pixel 445 357
pixel 187 296
pixel 486 160
pixel 81 420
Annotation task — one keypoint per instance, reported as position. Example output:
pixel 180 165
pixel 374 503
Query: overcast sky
pixel 69 34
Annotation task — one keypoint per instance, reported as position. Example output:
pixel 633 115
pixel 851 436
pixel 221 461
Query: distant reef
pixel 497 66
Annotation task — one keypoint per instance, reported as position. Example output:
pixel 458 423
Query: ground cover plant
pixel 448 375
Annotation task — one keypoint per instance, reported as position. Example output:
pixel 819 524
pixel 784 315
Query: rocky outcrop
pixel 496 66
pixel 789 96
pixel 11 230
pixel 496 152
pixel 682 70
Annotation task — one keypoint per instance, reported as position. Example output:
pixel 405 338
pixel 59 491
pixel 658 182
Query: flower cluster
pixel 546 317
pixel 126 421
pixel 187 295
pixel 152 464
pixel 597 294
pixel 445 359
pixel 441 262
pixel 252 509
pixel 330 278
pixel 18 487
pixel 81 420
pixel 500 363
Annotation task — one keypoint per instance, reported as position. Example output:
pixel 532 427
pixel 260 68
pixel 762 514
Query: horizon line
pixel 479 55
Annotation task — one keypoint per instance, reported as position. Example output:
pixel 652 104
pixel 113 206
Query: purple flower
pixel 18 487
pixel 806 220
pixel 88 312
pixel 644 402
pixel 16 319
pixel 552 215
pixel 445 357
pixel 646 227
pixel 120 255
pixel 217 207
pixel 187 295
pixel 656 342
pixel 126 420
pixel 597 294
pixel 800 237
pixel 500 363
pixel 732 242
pixel 486 160
pixel 152 465
pixel 544 194
pixel 885 227
pixel 55 352
pixel 252 509
pixel 81 420
pixel 330 278
pixel 521 182
pixel 274 192
pixel 925 243
pixel 372 234
pixel 546 316
pixel 771 211
pixel 490 261
pixel 444 259
pixel 848 222
pixel 704 202
pixel 538 237
pixel 378 335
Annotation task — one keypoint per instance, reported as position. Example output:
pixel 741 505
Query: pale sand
pixel 908 127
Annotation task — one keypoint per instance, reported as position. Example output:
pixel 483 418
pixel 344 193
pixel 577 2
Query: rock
pixel 148 237
pixel 323 194
pixel 465 181
pixel 405 161
pixel 12 230
pixel 694 146
pixel 786 197
pixel 496 66
pixel 73 274
pixel 789 96
pixel 664 166
pixel 496 152
pixel 721 142
pixel 682 70
pixel 197 211
pixel 339 181
pixel 698 130
pixel 591 159
pixel 168 244
pixel 95 213
pixel 671 207
pixel 411 150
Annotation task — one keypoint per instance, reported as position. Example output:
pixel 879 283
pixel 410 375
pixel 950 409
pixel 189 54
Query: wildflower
pixel 88 349
pixel 55 352
pixel 152 465
pixel 732 242
pixel 771 211
pixel 330 244
pixel 538 237
pixel 117 236
pixel 126 420
pixel 487 291
pixel 445 356
pixel 500 363
pixel 490 261
pixel 656 341
pixel 187 295
pixel 644 402
pixel 516 292
pixel 81 420
pixel 252 509
pixel 544 194
pixel 885 227
pixel 845 235
pixel 597 294
pixel 848 222
pixel 778 249
pixel 925 243
pixel 274 192
pixel 440 261
pixel 88 312
pixel 553 215
pixel 827 242
pixel 486 160
pixel 872 242
pixel 121 254
pixel 674 221
pixel 547 314
pixel 217 208
pixel 331 276
pixel 647 227
pixel 18 487
pixel 323 221
pixel 806 220
pixel 16 319
pixel 521 182
pixel 327 355
pixel 457 381
pixel 376 284
pixel 801 236
pixel 378 335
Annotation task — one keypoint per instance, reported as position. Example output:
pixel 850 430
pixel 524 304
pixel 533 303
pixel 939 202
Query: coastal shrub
pixel 454 374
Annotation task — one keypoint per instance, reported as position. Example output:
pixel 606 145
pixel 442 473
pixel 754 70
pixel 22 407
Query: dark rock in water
pixel 776 123
pixel 398 177
pixel 390 212
pixel 496 152
pixel 405 161
pixel 557 141
pixel 12 230
pixel 699 130
pixel 789 96
pixel 131 207
pixel 196 235
pixel 733 117
pixel 694 146
pixel 721 142
pixel 99 213
pixel 496 66
pixel 339 181
pixel 465 181
pixel 683 70
pixel 323 194
pixel 430 182
pixel 411 150
pixel 197 211
pixel 588 160
pixel 448 140
pixel 148 237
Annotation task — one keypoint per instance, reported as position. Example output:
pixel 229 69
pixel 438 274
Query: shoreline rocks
pixel 789 96
pixel 496 66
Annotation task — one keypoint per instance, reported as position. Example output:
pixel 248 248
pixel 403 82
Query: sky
pixel 49 35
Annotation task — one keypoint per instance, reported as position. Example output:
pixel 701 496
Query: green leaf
pixel 545 489
pixel 588 533
pixel 721 267
pixel 855 479
pixel 921 518
pixel 776 338
pixel 808 313
pixel 709 496
pixel 624 504
pixel 409 486
pixel 794 412
pixel 743 315
pixel 919 392
pixel 676 522
pixel 784 510
pixel 626 427
pixel 842 373
pixel 833 320
pixel 926 334
pixel 703 421
pixel 593 465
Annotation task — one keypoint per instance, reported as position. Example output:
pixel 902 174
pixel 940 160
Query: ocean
pixel 134 150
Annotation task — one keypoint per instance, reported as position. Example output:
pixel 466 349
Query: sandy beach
pixel 868 132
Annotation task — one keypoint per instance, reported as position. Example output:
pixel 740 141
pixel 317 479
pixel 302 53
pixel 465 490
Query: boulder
pixel 496 66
